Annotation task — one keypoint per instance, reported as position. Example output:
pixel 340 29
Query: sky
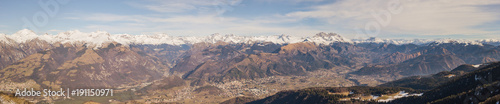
pixel 354 19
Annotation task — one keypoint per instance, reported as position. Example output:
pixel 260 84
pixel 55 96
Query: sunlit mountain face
pixel 249 52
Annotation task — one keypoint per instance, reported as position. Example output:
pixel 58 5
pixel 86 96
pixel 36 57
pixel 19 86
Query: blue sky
pixel 464 19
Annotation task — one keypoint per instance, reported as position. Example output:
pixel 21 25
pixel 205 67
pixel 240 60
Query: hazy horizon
pixel 353 19
pixel 460 37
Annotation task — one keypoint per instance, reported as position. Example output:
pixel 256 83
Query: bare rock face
pixel 397 57
pixel 82 67
pixel 202 52
pixel 292 59
pixel 12 52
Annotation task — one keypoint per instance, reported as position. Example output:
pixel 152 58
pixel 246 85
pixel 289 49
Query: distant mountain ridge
pixel 99 37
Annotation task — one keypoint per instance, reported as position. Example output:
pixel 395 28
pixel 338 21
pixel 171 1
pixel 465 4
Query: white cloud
pixel 170 5
pixel 290 1
pixel 109 17
pixel 188 19
pixel 188 25
pixel 417 17
pixel 180 6
pixel 202 18
pixel 423 17
pixel 54 30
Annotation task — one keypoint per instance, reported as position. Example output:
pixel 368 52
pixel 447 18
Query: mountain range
pixel 74 59
pixel 99 37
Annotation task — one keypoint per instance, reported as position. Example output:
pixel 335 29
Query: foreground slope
pixel 328 95
pixel 470 84
pixel 429 82
pixel 476 86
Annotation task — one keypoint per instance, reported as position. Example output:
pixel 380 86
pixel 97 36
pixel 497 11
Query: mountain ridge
pixel 97 38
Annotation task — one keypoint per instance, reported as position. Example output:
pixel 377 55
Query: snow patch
pixel 401 94
pixel 476 66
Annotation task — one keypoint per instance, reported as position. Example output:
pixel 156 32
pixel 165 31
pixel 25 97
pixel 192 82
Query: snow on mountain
pixel 278 39
pixel 495 42
pixel 3 37
pixel 488 40
pixel 425 41
pixel 99 37
pixel 392 41
pixel 94 38
pixel 458 41
pixel 23 36
pixel 148 39
pixel 324 38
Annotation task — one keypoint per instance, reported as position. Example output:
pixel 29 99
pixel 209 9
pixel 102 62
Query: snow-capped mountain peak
pixel 97 38
pixel 24 32
pixel 454 41
pixel 323 34
pixel 324 38
pixel 23 35
pixel 3 37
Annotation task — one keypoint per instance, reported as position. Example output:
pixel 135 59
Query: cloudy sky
pixel 464 19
